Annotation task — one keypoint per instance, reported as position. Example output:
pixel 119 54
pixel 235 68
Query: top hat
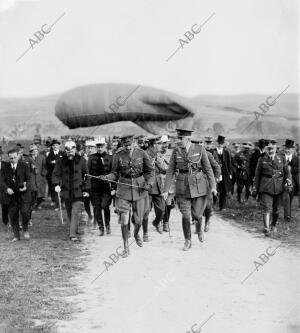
pixel 289 143
pixel 221 139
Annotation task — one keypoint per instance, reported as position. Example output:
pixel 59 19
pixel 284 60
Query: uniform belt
pixel 163 172
pixel 183 171
pixel 132 177
pixel 270 176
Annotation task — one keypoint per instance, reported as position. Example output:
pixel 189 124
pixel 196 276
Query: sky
pixel 246 46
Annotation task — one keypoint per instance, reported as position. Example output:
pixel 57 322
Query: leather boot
pixel 157 227
pixel 166 226
pixel 274 222
pixel 108 231
pixel 136 235
pixel 124 230
pixel 201 231
pixel 207 223
pixel 101 232
pixel 187 245
pixel 266 218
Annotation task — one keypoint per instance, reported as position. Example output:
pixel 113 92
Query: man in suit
pixel 222 156
pixel 271 176
pixel 256 154
pixel 52 157
pixel 15 185
pixel 292 161
pixel 194 180
pixel 100 163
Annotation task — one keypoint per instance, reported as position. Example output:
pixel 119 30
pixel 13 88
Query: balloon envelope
pixel 152 109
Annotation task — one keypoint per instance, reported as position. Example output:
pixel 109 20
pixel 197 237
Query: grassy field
pixel 35 274
pixel 249 217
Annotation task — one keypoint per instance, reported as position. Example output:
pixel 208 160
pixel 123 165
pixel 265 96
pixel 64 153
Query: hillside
pixel 230 115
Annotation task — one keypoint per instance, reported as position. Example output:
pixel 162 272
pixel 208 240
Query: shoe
pixel 157 227
pixel 187 245
pixel 206 227
pixel 91 220
pixel 108 230
pixel 166 227
pixel 146 238
pixel 201 236
pixel 74 239
pixel 138 241
pixel 101 232
pixel 267 232
pixel 15 239
pixel 26 235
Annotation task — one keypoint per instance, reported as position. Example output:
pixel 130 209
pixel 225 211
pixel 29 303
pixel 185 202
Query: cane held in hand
pixel 58 190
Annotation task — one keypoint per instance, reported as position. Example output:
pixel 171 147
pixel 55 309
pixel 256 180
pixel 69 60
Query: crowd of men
pixel 136 174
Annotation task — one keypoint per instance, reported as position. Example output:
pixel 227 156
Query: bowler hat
pixel 55 141
pixel 289 143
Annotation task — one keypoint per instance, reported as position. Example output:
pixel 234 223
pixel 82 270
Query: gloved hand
pixel 112 192
pixel 165 195
pixel 148 187
pixel 102 177
pixel 10 191
pixel 57 188
pixel 85 194
pixel 23 189
pixel 214 192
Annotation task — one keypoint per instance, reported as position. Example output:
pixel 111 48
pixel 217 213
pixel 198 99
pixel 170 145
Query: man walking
pixel 100 164
pixel 271 175
pixel 135 174
pixel 69 181
pixel 194 178
pixel 15 186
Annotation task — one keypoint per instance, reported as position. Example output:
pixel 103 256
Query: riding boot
pixel 145 230
pixel 207 222
pixel 266 218
pixel 274 222
pixel 200 232
pixel 124 230
pixel 187 233
pixel 136 235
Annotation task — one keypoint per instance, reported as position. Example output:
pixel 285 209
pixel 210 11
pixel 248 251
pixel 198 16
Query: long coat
pixel 99 164
pixel 195 176
pixel 51 161
pixel 226 168
pixel 15 181
pixel 214 164
pixel 39 173
pixel 135 170
pixel 270 175
pixel 71 190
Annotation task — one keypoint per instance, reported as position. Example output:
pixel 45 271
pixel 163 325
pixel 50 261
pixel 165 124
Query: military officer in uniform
pixel 241 162
pixel 271 175
pixel 194 179
pixel 256 154
pixel 135 174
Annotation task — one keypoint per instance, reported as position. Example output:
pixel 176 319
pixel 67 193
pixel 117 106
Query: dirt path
pixel 159 288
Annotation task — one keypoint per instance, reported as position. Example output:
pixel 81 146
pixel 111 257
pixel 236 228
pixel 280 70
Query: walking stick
pixel 60 209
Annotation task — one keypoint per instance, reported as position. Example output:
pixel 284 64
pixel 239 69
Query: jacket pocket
pixel 180 184
pixel 140 181
pixel 202 184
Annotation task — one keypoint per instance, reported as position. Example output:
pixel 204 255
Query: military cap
pixel 127 139
pixel 164 138
pixel 221 139
pixel 184 131
pixel 289 143
pixel 208 139
pixel 90 143
pixel 153 138
pixel 100 141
